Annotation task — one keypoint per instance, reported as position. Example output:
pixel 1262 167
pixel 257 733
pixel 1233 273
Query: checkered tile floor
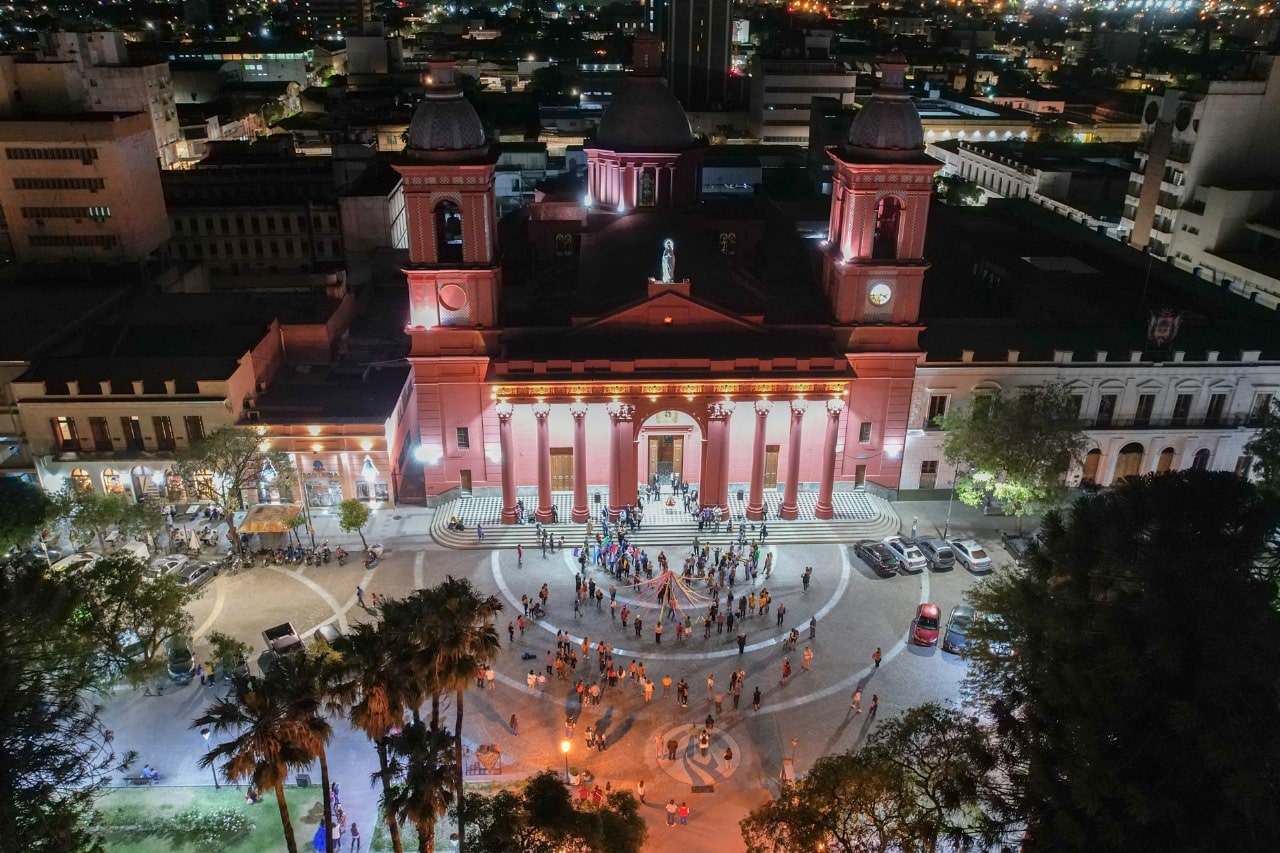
pixel 855 506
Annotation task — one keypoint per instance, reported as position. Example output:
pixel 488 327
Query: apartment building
pixel 1221 133
pixel 782 92
pixel 81 187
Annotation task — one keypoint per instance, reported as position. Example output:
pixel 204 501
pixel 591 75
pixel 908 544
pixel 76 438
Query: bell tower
pixel 454 274
pixel 873 266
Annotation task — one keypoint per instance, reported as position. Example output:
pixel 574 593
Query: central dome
pixel 888 128
pixel 644 115
pixel 444 124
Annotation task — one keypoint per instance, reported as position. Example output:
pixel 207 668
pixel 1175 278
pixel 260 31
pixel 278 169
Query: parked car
pixel 197 574
pixel 329 633
pixel 170 564
pixel 909 557
pixel 924 628
pixel 937 554
pixel 283 639
pixel 957 637
pixel 971 555
pixel 878 557
pixel 182 663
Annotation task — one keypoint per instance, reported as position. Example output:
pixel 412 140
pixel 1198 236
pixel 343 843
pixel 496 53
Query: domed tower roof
pixel 445 126
pixel 887 129
pixel 644 115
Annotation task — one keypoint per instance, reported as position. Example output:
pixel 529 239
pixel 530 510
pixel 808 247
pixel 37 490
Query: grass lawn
pixel 131 807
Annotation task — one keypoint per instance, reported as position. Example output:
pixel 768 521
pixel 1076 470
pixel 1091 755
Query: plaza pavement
pixel 856 610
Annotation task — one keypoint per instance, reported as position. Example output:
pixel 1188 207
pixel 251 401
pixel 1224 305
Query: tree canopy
pixel 353 515
pixel 1264 447
pixel 24 509
pixel 1131 676
pixel 1015 446
pixel 228 463
pixel 542 818
pixel 916 784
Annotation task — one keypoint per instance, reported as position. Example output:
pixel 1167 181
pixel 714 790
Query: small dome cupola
pixel 887 128
pixel 445 126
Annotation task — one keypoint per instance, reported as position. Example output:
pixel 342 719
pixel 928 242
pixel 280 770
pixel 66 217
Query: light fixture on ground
pixel 565 746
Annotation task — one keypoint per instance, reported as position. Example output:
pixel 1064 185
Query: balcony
pixel 1224 422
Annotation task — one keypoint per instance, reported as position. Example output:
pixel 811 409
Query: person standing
pixel 511 632
pixel 813 627
pixel 856 704
pixel 742 641
pixel 648 692
pixel 671 812
pixel 808 658
pixel 519 555
pixel 875 657
pixel 684 810
pixel 786 671
pixel 755 700
pixel 737 695
pixel 515 725
pixel 666 684
pixel 640 791
pixel 672 746
pixel 355 838
pixel 479 533
pixel 782 611
pixel 360 596
pixel 657 633
pixel 704 742
pixel 875 706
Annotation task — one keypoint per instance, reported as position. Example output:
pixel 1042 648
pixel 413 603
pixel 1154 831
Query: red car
pixel 924 628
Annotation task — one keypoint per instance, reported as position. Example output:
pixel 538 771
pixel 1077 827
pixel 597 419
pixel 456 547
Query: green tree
pixel 308 683
pixel 130 614
pixel 1129 716
pixel 1055 129
pixel 542 818
pixel 230 461
pixel 24 510
pixel 1015 446
pixel 1264 447
pixel 55 753
pixel 89 515
pixel 916 784
pixel 553 80
pixel 227 651
pixel 426 780
pixel 266 741
pixel 353 515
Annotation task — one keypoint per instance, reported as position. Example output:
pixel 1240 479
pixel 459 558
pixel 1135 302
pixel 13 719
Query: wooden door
pixel 677 456
pixel 464 480
pixel 1091 461
pixel 860 475
pixel 771 466
pixel 562 469
pixel 665 454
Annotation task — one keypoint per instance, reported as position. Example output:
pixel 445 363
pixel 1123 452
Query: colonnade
pixel 713 488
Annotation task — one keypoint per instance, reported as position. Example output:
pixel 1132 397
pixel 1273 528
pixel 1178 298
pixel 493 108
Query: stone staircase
pixel 867 517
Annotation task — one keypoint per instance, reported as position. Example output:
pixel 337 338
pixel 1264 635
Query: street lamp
pixel 946 528
pixel 204 733
pixel 795 741
pixel 565 745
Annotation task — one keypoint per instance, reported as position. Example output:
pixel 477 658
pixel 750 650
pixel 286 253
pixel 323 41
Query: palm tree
pixel 423 761
pixel 465 640
pixel 308 684
pixel 267 740
pixel 376 693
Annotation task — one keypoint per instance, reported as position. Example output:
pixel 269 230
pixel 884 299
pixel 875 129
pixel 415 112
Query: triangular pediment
pixel 668 310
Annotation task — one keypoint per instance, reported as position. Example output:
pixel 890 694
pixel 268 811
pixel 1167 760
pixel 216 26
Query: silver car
pixel 197 574
pixel 937 554
pixel 971 555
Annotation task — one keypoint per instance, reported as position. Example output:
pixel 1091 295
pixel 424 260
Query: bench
pixel 138 779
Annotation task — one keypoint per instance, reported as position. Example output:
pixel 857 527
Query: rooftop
pixel 339 394
pixel 1012 276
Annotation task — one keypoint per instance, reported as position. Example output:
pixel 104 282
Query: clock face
pixel 879 294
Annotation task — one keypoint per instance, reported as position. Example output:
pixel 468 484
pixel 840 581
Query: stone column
pixel 825 485
pixel 580 511
pixel 541 411
pixel 622 473
pixel 791 488
pixel 755 500
pixel 507 445
pixel 714 489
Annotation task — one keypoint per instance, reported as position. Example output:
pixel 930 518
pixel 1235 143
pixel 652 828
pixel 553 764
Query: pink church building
pixel 626 332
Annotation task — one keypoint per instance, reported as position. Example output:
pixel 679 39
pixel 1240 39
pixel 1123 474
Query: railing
pixel 1224 422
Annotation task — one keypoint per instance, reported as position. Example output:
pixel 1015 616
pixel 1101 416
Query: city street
pixel 856 612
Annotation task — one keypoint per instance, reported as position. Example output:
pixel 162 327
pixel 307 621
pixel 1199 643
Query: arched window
pixel 1165 462
pixel 888 226
pixel 112 483
pixel 448 232
pixel 1200 462
pixel 1129 464
pixel 80 479
pixel 1091 462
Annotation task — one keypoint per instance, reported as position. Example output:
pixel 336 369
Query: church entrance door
pixel 666 457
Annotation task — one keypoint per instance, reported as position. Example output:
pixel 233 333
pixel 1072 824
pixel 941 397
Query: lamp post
pixel 946 528
pixel 565 746
pixel 204 733
pixel 795 741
